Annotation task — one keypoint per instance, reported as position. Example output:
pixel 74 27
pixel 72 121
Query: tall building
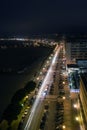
pixel 83 99
pixel 75 50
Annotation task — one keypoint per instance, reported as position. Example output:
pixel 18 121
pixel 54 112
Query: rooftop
pixel 72 65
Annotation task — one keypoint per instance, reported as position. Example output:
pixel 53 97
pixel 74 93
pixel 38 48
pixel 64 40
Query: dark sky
pixel 42 16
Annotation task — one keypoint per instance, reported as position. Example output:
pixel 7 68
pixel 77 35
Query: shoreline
pixel 17 81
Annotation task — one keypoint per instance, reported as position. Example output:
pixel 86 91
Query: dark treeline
pixel 14 108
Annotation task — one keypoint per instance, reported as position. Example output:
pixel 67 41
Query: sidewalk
pixel 70 113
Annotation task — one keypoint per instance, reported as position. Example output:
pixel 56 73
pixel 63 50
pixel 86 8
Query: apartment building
pixel 83 98
pixel 75 50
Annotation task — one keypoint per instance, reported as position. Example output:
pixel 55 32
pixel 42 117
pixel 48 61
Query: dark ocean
pixel 17 67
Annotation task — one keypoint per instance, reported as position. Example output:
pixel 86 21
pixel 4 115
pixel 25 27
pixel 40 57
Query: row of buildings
pixel 76 59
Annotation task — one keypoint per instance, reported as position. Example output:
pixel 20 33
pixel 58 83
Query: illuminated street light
pixel 47 61
pixel 64 98
pixel 76 118
pixel 51 54
pixel 64 126
pixel 75 106
pixel 63 73
pixel 26 97
pixel 22 104
pixel 38 78
pixel 49 57
pixel 63 82
pixel 40 72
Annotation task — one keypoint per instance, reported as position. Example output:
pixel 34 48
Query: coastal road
pixel 37 108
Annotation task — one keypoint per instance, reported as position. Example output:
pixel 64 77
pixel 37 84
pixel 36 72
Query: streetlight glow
pixel 63 82
pixel 64 126
pixel 76 118
pixel 37 78
pixel 64 97
pixel 75 106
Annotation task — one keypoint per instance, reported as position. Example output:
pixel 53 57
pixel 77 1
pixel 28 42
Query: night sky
pixel 42 16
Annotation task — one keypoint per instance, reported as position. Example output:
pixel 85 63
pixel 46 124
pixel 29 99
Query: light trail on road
pixel 47 80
